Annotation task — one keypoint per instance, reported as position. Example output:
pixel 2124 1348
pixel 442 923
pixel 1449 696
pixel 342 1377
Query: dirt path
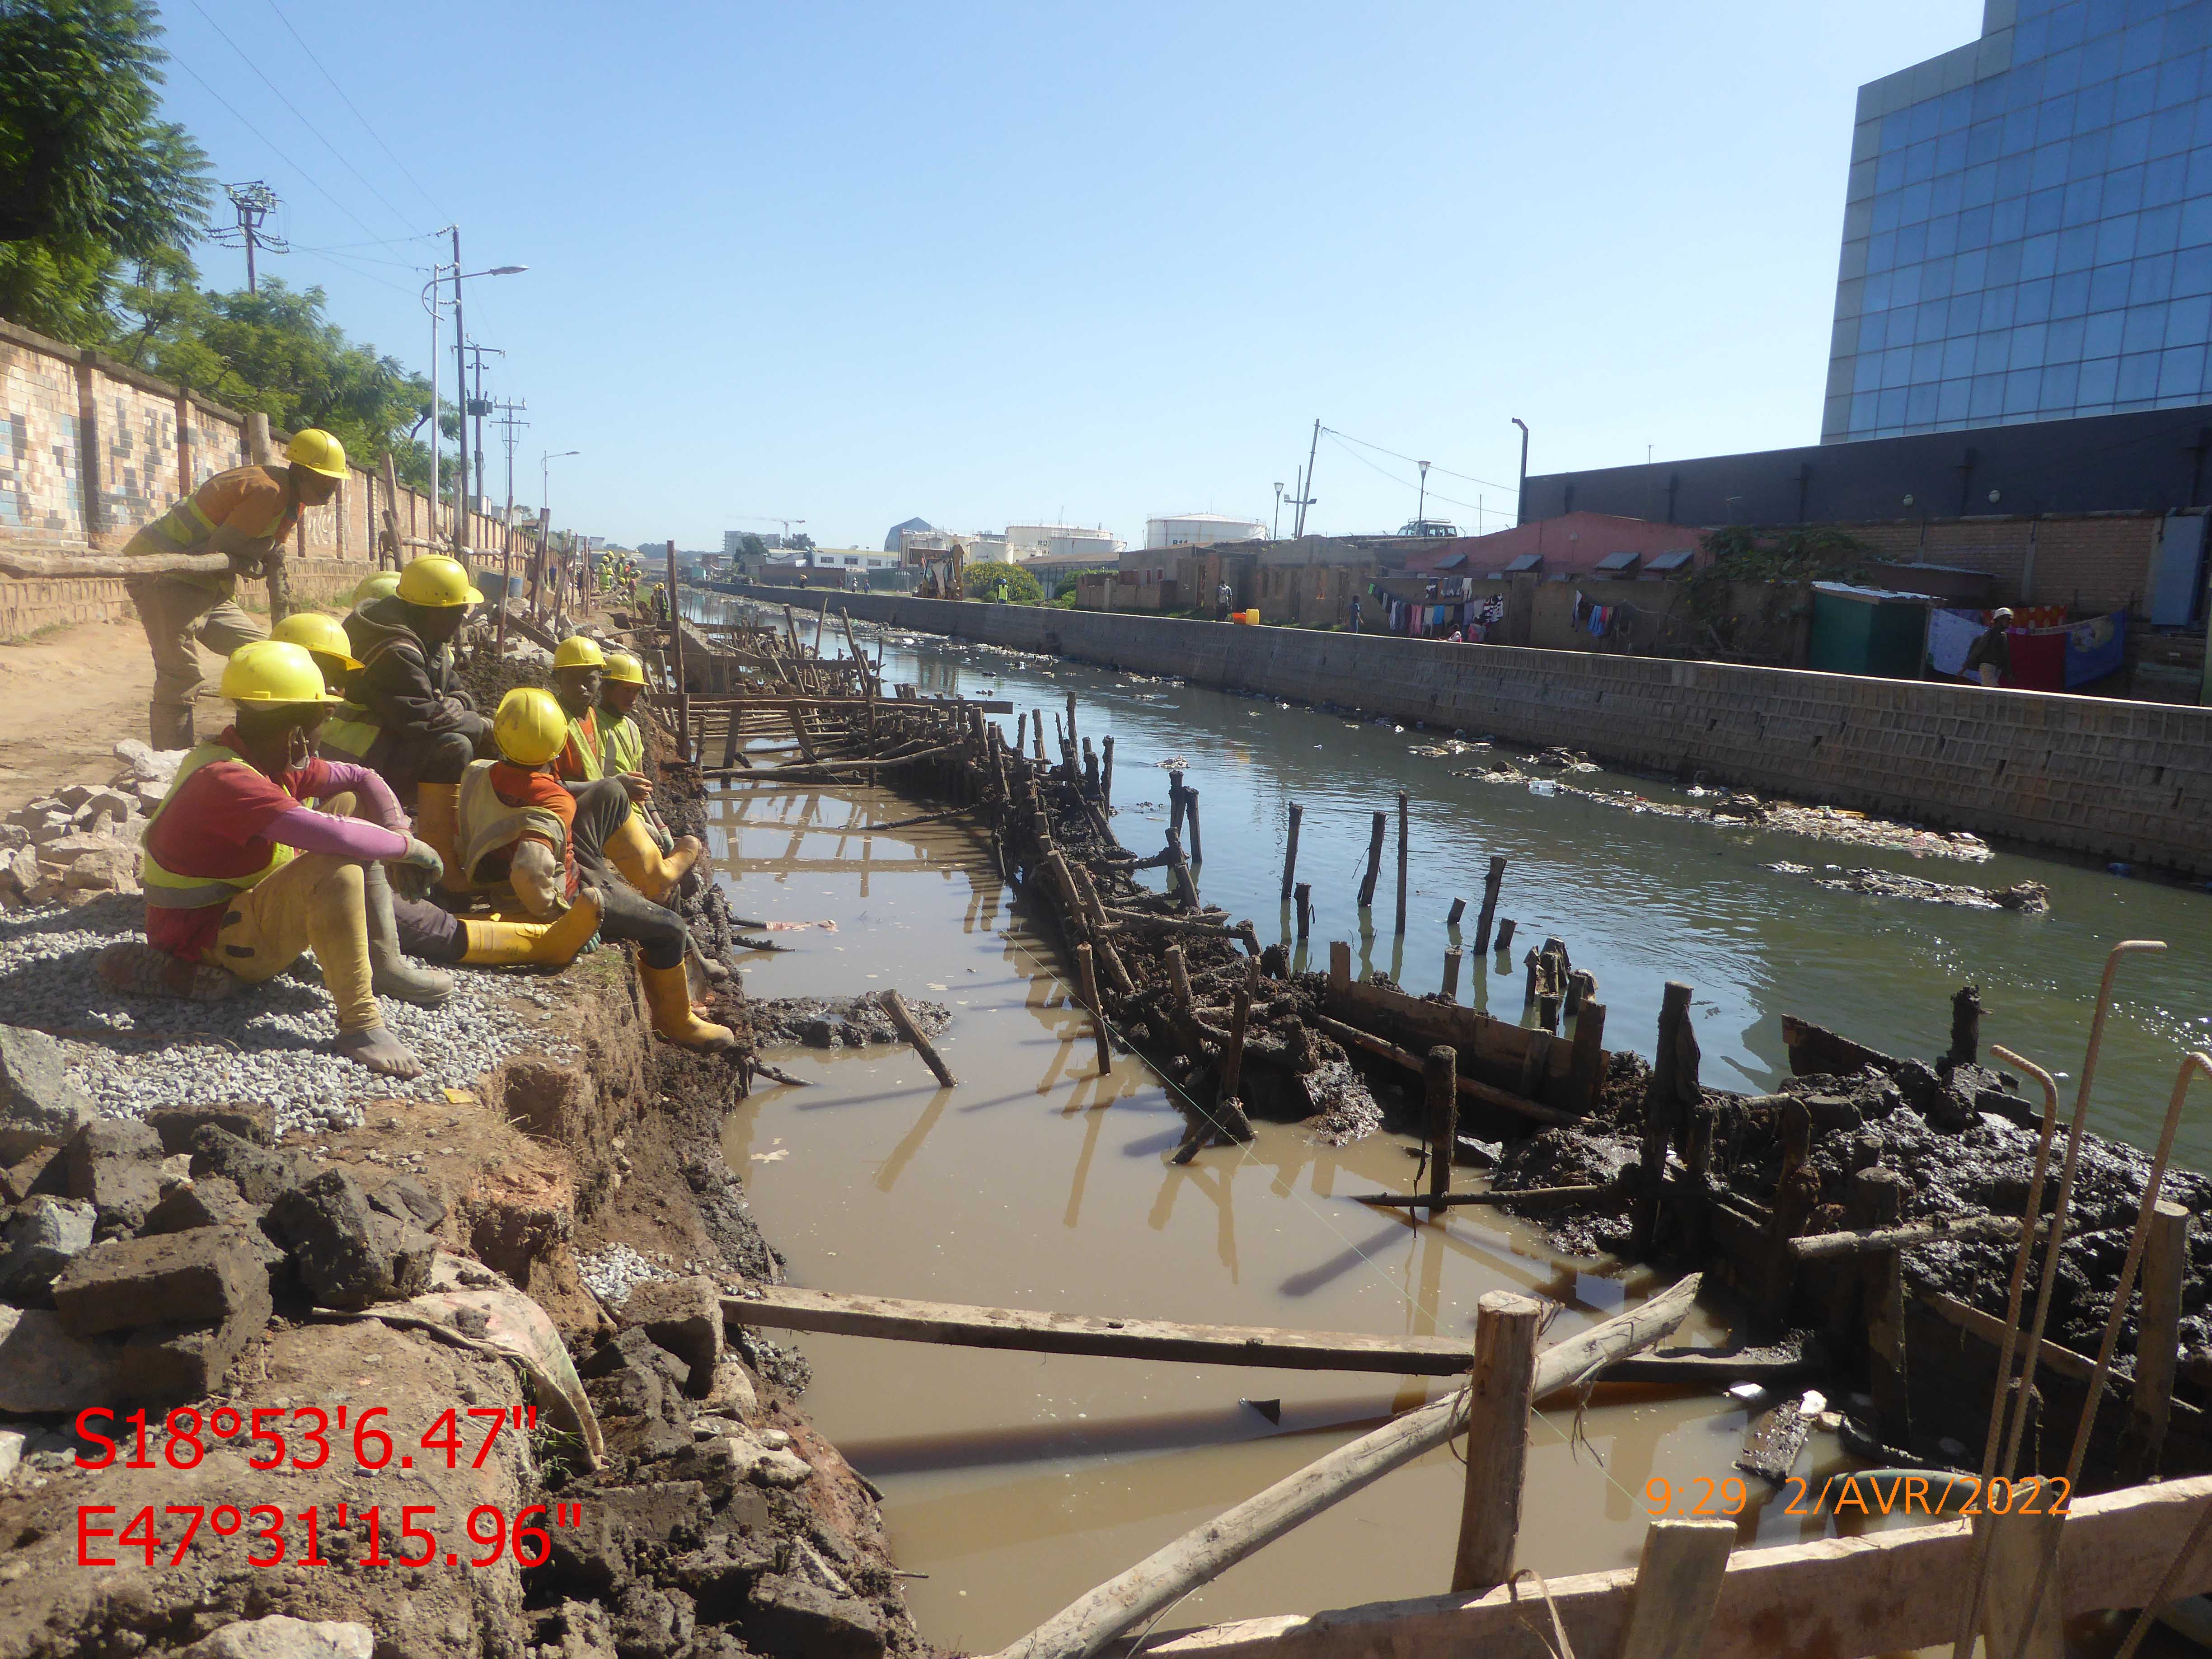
pixel 70 696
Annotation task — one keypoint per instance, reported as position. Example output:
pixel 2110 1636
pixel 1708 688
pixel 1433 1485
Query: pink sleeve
pixel 349 838
pixel 376 794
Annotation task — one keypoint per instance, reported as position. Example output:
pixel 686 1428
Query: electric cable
pixel 265 139
pixel 301 118
pixel 1487 484
pixel 357 115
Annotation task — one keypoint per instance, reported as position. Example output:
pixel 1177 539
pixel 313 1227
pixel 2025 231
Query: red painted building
pixel 1574 544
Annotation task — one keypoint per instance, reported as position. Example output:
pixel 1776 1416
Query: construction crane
pixel 770 518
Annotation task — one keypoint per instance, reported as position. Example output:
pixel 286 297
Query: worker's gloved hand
pixel 421 855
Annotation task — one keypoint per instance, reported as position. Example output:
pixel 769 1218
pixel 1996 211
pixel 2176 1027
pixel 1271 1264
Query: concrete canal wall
pixel 2122 780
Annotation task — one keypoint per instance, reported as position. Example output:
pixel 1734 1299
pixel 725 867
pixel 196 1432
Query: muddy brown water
pixel 1018 1481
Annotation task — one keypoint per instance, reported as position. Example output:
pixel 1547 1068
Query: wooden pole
pixel 1071 717
pixel 1022 732
pixel 1880 1194
pixel 389 542
pixel 1169 1574
pixel 506 591
pixel 1234 1122
pixel 2165 1269
pixel 1451 973
pixel 1374 860
pixel 1496 1438
pixel 1036 735
pixel 895 1005
pixel 1304 897
pixel 675 662
pixel 1088 980
pixel 1504 937
pixel 1491 884
pixel 1441 1074
pixel 1290 854
pixel 1400 929
pixel 1452 916
pixel 1106 774
pixel 1197 844
pixel 1678 1586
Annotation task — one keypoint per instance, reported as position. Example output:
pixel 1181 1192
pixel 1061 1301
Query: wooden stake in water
pixel 1304 894
pixel 1400 929
pixel 1497 1440
pixel 1504 937
pixel 1491 884
pixel 1451 973
pixel 1374 860
pixel 1458 909
pixel 1197 842
pixel 1291 854
pixel 1441 1075
pixel 1106 774
pixel 1087 980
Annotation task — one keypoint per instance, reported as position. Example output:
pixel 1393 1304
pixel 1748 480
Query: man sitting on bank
pixel 522 825
pixel 578 668
pixel 621 740
pixel 242 875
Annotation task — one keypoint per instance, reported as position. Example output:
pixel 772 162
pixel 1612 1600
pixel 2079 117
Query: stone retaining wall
pixel 29 607
pixel 2122 781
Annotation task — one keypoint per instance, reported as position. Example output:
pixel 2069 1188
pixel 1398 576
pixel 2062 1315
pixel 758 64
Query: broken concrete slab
pixel 177 1125
pixel 42 1237
pixel 792 1616
pixel 348 1255
pixel 258 1173
pixel 205 1276
pixel 44 1369
pixel 405 1199
pixel 38 1104
pixel 278 1636
pixel 683 1316
pixel 114 1162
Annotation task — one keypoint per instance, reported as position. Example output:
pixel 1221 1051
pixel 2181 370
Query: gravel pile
pixel 611 1274
pixel 267 1044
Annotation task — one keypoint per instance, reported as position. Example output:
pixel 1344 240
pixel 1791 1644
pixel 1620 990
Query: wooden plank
pixel 744 703
pixel 1494 1042
pixel 786 1307
pixel 1678 1584
pixel 1833 1599
pixel 2015 1621
pixel 2164 1268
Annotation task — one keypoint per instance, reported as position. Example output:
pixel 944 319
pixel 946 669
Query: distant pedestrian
pixel 1002 590
pixel 1224 598
pixel 1990 655
pixel 1355 615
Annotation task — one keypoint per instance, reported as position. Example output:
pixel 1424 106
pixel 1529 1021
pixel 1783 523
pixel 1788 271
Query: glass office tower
pixel 2027 232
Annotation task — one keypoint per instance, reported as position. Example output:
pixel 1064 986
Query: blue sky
pixel 991 262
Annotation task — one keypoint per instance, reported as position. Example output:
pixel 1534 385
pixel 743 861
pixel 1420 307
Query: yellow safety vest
pixel 588 750
pixel 622 745
pixel 170 892
pixel 490 825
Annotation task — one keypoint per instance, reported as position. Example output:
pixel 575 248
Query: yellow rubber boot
pixel 630 850
pixel 668 993
pixel 529 944
pixel 438 822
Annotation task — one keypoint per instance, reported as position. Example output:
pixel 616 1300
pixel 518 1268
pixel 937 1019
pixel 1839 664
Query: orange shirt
pixel 518 786
pixel 251 502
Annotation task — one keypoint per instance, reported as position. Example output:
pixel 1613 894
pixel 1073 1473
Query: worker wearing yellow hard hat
pixel 407 713
pixel 375 587
pixel 245 514
pixel 323 638
pixel 621 743
pixel 579 666
pixel 522 826
pixel 243 875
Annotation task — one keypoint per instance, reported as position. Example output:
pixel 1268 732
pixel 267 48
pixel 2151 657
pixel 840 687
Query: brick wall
pixel 28 607
pixel 2116 780
pixel 2100 563
pixel 40 492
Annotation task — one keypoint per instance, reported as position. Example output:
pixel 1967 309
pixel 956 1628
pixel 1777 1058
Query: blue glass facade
pixel 2027 231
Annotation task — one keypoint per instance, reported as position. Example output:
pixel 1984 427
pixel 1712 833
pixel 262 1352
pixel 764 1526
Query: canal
pixel 1018 1481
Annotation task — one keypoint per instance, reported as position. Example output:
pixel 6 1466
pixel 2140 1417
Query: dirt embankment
pixel 715 1522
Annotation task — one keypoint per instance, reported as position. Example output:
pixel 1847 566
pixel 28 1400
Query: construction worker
pixel 245 514
pixel 406 714
pixel 621 740
pixel 520 825
pixel 578 667
pixel 382 584
pixel 322 636
pixel 242 875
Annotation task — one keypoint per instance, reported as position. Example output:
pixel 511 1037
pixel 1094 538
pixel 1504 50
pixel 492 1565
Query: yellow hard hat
pixel 577 652
pixel 273 671
pixel 529 726
pixel 435 579
pixel 316 451
pixel 317 631
pixel 382 584
pixel 624 669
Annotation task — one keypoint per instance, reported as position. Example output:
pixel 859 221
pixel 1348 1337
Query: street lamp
pixel 1421 511
pixel 1275 530
pixel 433 305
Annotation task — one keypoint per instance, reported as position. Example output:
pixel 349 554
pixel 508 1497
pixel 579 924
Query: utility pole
pixel 1519 499
pixel 1305 491
pixel 478 408
pixel 508 411
pixel 252 203
pixel 1275 530
pixel 460 397
pixel 1300 501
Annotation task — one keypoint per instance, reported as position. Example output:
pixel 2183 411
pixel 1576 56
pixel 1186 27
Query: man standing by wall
pixel 245 514
pixel 1990 655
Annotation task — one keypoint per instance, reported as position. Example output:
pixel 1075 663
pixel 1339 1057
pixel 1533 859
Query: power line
pixel 1487 484
pixel 357 115
pixel 1395 479
pixel 303 120
pixel 270 142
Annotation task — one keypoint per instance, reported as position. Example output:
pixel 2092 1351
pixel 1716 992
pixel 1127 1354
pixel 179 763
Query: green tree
pixel 980 581
pixel 91 180
pixel 276 352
